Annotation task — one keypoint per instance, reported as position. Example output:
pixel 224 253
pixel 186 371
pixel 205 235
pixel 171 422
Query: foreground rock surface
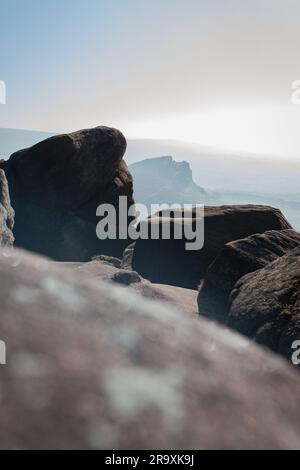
pixel 237 259
pixel 99 269
pixel 168 261
pixel 6 213
pixel 56 187
pixel 90 366
pixel 265 305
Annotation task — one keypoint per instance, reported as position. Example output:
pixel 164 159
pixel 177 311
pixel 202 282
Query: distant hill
pixel 163 180
pixel 211 168
pixel 219 170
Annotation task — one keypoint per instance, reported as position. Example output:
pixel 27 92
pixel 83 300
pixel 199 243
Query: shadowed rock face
pixel 6 213
pixel 265 305
pixel 168 261
pixel 237 259
pixel 93 366
pixel 56 187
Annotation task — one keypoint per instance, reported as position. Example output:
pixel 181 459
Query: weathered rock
pixel 56 187
pixel 101 269
pixel 265 305
pixel 237 259
pixel 110 260
pixel 168 261
pixel 126 278
pixel 6 213
pixel 126 261
pixel 183 299
pixel 93 366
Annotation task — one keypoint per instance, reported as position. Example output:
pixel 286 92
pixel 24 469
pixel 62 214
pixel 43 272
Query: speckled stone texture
pixel 237 259
pixel 265 305
pixel 108 270
pixel 7 214
pixel 92 366
pixel 56 187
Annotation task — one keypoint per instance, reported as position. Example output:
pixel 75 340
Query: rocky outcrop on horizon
pixel 168 261
pixel 7 214
pixel 95 366
pixel 56 187
pixel 162 180
pixel 238 258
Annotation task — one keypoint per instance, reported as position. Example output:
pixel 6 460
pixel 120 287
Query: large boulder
pixel 265 305
pixel 6 213
pixel 93 366
pixel 56 187
pixel 237 259
pixel 168 261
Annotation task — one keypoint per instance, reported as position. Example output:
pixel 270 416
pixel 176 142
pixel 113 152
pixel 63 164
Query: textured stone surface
pixel 56 187
pixel 126 261
pixel 92 366
pixel 168 261
pixel 184 299
pixel 265 305
pixel 237 259
pixel 6 213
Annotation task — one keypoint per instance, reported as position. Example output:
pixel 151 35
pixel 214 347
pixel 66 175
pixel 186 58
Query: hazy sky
pixel 218 72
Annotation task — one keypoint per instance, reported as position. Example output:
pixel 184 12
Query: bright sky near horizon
pixel 215 72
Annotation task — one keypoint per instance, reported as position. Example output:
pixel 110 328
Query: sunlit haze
pixel 214 72
pixel 269 132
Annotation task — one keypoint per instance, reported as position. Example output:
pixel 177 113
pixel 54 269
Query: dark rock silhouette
pixel 93 366
pixel 6 213
pixel 237 259
pixel 168 261
pixel 56 187
pixel 265 305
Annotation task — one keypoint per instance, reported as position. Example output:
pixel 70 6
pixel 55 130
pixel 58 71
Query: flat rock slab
pixel 184 299
pixel 167 261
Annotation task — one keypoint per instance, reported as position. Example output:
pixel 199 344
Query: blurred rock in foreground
pixel 92 366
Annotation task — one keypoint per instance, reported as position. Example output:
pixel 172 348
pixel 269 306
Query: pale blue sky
pixel 213 71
